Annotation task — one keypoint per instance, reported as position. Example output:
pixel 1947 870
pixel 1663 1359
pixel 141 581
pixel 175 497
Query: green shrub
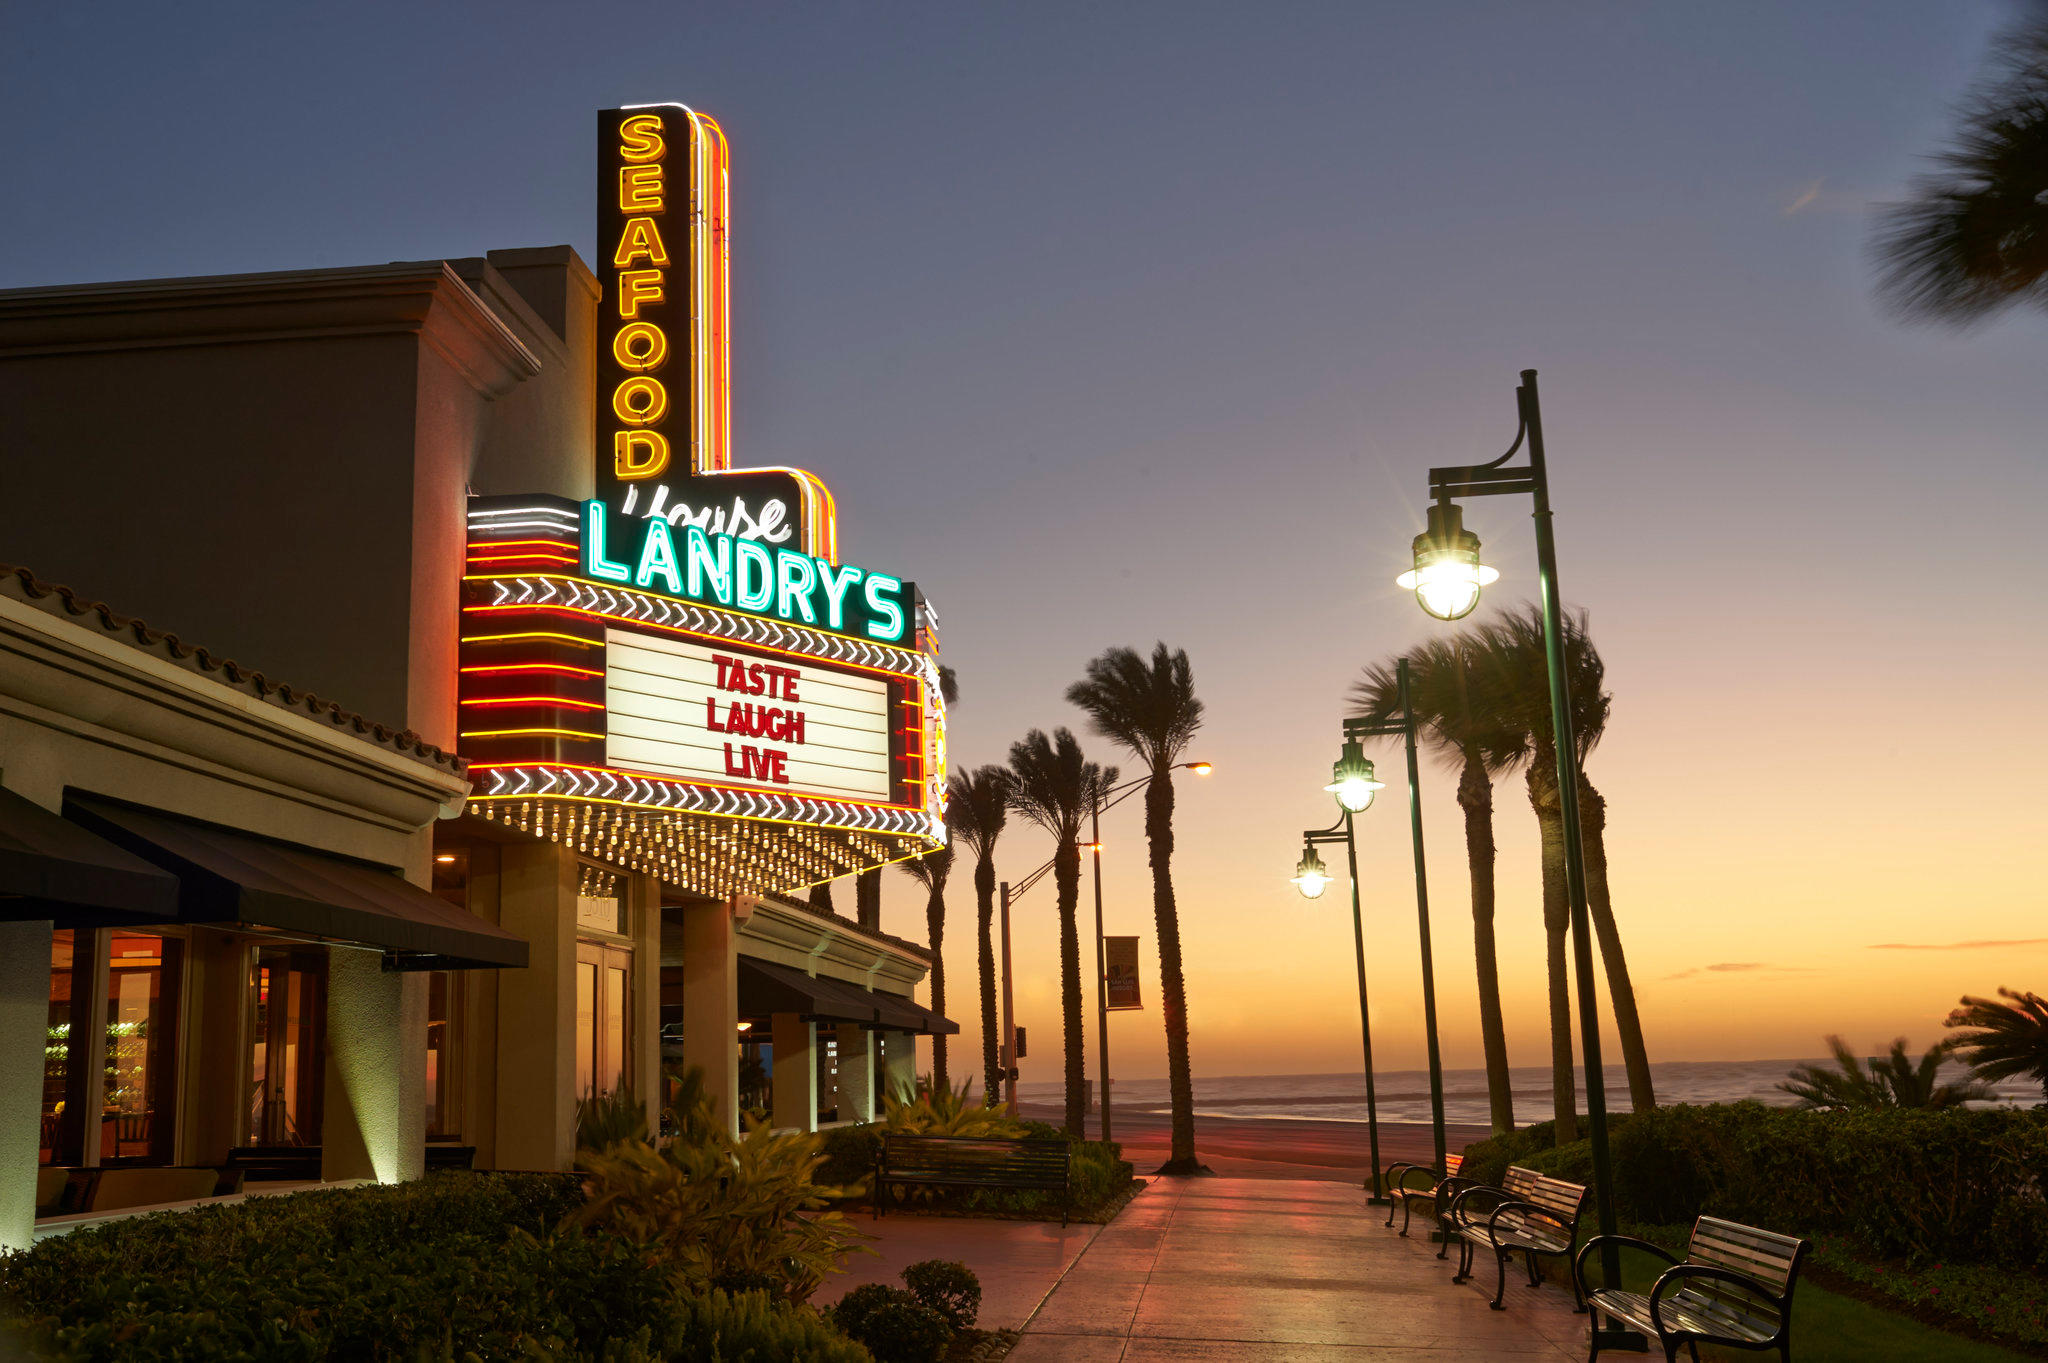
pixel 903 1331
pixel 948 1287
pixel 1945 1185
pixel 850 1153
pixel 724 1213
pixel 851 1310
pixel 753 1328
pixel 605 1119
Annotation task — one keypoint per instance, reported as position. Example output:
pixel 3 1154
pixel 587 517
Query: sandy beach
pixel 1263 1147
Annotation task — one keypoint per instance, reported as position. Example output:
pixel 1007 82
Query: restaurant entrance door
pixel 287 989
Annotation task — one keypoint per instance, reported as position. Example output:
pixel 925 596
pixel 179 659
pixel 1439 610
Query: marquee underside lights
pixel 679 676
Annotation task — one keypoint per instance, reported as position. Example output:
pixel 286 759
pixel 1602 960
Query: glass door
pixel 603 1012
pixel 287 1013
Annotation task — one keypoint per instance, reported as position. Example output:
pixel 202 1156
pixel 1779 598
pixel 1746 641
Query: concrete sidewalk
pixel 1261 1271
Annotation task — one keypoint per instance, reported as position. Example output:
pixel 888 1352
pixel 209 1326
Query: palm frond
pixel 1972 237
pixel 1054 785
pixel 1149 707
pixel 2003 1040
pixel 978 807
pixel 931 869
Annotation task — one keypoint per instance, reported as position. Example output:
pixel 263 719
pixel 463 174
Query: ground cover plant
pixel 1938 1211
pixel 928 1319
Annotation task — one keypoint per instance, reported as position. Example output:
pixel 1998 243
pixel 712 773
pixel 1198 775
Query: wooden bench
pixel 1033 1164
pixel 1404 1194
pixel 1530 1214
pixel 1734 1286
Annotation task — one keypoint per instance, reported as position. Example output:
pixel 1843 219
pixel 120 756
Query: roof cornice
pixel 422 298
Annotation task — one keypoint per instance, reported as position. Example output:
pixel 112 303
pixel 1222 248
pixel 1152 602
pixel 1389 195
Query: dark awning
pixel 765 987
pixel 908 1015
pixel 51 868
pixel 233 878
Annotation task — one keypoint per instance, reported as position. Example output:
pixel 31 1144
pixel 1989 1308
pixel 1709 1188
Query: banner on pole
pixel 1120 960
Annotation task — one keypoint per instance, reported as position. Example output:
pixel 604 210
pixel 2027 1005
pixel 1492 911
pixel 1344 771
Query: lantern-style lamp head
pixel 1310 875
pixel 1448 574
pixel 1351 779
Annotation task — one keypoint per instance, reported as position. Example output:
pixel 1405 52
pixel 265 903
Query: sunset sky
pixel 1118 323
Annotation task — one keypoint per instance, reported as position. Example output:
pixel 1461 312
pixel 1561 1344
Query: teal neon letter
pixel 703 563
pixel 795 580
pixel 888 622
pixel 836 582
pixel 658 557
pixel 594 561
pixel 756 589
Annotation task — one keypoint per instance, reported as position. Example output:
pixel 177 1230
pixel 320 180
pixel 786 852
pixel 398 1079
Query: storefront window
pixel 287 991
pixel 141 1048
pixel 825 1046
pixel 586 1028
pixel 63 1047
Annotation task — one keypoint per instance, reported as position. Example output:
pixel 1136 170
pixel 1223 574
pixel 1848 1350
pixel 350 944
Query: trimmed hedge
pixel 1922 1185
pixel 456 1265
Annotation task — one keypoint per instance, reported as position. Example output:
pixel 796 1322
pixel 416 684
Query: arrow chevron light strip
pixel 575 593
pixel 538 782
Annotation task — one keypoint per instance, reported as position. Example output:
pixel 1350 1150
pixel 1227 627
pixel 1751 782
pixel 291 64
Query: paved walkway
pixel 1266 1271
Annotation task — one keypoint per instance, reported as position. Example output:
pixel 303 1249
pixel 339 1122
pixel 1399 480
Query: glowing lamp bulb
pixel 1310 875
pixel 1351 779
pixel 1448 575
pixel 1201 768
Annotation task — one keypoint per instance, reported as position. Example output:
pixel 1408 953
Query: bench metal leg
pixel 1500 1287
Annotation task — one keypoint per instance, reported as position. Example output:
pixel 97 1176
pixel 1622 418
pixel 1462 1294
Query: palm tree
pixel 1455 720
pixel 1894 1081
pixel 977 807
pixel 1055 787
pixel 2004 1040
pixel 930 871
pixel 1513 648
pixel 1973 237
pixel 1151 710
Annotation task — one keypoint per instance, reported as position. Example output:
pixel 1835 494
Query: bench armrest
pixel 1458 1211
pixel 1527 1209
pixel 1627 1241
pixel 1672 1277
pixel 1393 1179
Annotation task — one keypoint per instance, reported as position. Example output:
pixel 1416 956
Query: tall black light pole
pixel 1311 878
pixel 1447 579
pixel 1355 729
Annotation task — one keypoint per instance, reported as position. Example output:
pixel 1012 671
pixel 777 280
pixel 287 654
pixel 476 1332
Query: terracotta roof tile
pixel 26 586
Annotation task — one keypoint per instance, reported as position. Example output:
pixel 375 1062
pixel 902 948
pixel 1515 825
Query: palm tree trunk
pixel 935 925
pixel 1593 821
pixel 985 903
pixel 1066 874
pixel 1543 796
pixel 1475 796
pixel 1173 987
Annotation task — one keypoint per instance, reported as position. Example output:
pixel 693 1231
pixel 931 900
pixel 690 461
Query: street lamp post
pixel 1355 729
pixel 1447 579
pixel 1310 878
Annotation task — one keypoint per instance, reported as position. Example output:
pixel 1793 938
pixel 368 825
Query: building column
pixel 536 1116
pixel 793 1091
pixel 899 1063
pixel 24 1025
pixel 643 922
pixel 215 1112
pixel 711 1001
pixel 373 1117
pixel 856 1073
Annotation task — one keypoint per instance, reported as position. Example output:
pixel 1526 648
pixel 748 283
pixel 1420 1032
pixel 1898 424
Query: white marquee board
pixel 692 711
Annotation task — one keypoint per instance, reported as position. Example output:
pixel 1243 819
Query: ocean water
pixel 1403 1095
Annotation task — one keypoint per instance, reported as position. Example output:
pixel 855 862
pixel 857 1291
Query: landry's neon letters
pixel 742 574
